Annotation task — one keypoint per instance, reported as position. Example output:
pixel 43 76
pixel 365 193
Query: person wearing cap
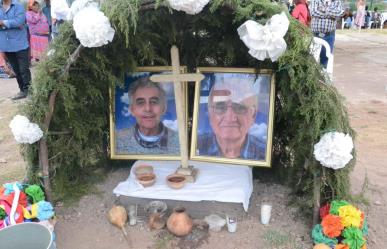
pixel 14 42
pixel 232 109
pixel 147 103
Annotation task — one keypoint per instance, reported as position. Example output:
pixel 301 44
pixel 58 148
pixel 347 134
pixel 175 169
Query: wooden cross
pixel 176 77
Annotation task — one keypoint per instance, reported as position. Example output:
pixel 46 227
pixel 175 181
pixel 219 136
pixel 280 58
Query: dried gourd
pixel 117 216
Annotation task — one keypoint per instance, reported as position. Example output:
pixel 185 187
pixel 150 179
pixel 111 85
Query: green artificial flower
pixel 35 192
pixel 319 237
pixel 364 229
pixel 353 237
pixel 3 214
pixel 335 205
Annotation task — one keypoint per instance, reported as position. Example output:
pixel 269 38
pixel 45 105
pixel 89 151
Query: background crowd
pixel 25 32
pixel 359 17
pixel 323 16
pixel 38 21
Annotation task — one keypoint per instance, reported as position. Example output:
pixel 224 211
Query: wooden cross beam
pixel 176 77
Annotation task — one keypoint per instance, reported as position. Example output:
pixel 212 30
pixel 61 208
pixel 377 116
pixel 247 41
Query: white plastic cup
pixel 231 224
pixel 132 215
pixel 265 213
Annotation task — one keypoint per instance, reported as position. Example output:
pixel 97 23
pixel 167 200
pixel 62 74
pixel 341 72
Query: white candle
pixel 231 224
pixel 265 213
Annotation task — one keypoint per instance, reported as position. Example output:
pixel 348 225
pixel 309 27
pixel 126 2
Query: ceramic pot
pixel 143 169
pixel 179 223
pixel 156 222
pixel 147 180
pixel 176 181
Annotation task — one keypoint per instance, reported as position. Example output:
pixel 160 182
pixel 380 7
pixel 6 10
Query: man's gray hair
pixel 145 82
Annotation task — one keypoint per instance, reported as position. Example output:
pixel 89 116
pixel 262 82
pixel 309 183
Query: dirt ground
pixel 360 74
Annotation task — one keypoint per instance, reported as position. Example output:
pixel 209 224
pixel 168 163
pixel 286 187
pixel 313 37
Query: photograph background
pixel 123 117
pixel 259 129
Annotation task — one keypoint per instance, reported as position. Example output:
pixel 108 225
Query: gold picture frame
pixel 233 116
pixel 122 121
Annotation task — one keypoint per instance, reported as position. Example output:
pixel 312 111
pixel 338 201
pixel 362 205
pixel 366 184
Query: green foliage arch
pixel 306 106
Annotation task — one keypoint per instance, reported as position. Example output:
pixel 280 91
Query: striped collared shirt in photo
pixel 324 14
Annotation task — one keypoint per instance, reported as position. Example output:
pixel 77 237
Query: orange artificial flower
pixel 332 225
pixel 361 220
pixel 341 246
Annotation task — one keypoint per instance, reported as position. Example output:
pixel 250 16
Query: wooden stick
pixel 127 237
pixel 59 132
pixel 316 198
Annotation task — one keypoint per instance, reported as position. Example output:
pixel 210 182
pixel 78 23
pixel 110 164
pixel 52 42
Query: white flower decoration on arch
pixel 24 131
pixel 78 5
pixel 334 150
pixel 265 41
pixel 191 7
pixel 92 27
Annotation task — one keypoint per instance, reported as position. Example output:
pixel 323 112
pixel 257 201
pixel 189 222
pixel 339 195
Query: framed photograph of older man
pixel 143 121
pixel 233 116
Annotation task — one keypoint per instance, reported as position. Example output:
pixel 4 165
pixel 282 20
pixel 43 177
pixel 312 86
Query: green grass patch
pixel 278 240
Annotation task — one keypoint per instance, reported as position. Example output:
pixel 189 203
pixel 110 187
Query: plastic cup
pixel 132 215
pixel 231 224
pixel 265 213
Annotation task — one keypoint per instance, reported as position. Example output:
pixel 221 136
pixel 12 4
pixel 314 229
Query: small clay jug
pixel 179 223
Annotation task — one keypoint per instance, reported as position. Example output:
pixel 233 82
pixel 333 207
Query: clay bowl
pixel 147 180
pixel 143 169
pixel 176 181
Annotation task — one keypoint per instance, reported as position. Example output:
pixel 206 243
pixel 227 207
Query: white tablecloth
pixel 215 182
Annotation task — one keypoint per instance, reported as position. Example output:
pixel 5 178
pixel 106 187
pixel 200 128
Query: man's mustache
pixel 148 115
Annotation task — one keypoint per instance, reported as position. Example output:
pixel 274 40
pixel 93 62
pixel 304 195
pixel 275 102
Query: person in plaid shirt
pixel 324 14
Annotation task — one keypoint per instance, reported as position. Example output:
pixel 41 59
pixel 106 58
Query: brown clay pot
pixel 143 169
pixel 179 223
pixel 147 180
pixel 176 181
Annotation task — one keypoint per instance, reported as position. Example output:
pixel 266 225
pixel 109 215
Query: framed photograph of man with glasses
pixel 143 120
pixel 233 116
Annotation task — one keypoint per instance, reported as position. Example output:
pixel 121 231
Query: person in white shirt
pixel 60 12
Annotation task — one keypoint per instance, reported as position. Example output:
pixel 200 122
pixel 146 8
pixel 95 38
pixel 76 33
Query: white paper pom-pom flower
pixel 265 41
pixel 78 5
pixel 191 7
pixel 334 150
pixel 50 52
pixel 24 131
pixel 92 27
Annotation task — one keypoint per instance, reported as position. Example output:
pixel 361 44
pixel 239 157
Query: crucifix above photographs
pixel 143 118
pixel 233 116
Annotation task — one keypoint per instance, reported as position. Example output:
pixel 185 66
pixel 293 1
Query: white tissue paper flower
pixel 265 41
pixel 334 150
pixel 24 131
pixel 50 52
pixel 191 7
pixel 60 10
pixel 92 27
pixel 78 5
